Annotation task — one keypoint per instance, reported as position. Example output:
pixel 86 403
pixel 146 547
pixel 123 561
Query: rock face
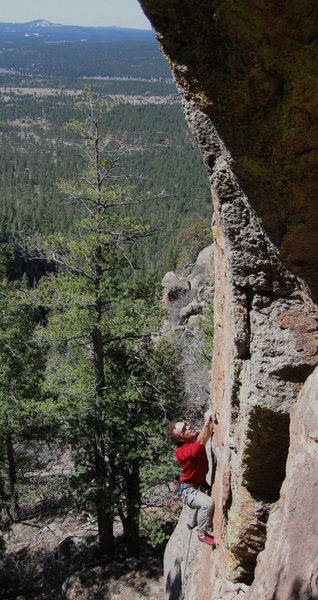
pixel 288 568
pixel 238 68
pixel 182 290
pixel 175 289
pixel 250 66
pixel 188 303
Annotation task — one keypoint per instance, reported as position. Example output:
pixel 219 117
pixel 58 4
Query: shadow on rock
pixel 174 582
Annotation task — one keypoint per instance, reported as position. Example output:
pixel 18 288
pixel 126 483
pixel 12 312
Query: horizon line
pixel 68 25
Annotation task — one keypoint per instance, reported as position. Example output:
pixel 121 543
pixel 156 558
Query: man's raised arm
pixel 207 428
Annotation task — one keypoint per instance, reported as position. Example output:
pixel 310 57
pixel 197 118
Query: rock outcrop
pixel 245 71
pixel 181 293
pixel 250 67
pixel 188 302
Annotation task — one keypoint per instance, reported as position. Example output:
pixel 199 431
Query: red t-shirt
pixel 192 457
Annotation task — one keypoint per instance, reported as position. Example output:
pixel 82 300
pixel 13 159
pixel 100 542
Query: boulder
pixel 175 288
pixel 193 308
pixel 203 269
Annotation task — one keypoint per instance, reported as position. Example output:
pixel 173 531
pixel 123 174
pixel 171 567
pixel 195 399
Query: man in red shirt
pixel 191 456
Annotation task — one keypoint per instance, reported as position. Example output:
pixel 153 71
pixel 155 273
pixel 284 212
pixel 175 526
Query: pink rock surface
pixel 288 567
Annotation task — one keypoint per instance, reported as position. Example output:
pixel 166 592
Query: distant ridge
pixel 41 30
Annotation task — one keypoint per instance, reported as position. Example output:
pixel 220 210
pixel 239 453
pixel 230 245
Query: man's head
pixel 180 432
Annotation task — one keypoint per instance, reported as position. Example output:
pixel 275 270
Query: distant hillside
pixel 43 31
pixel 43 49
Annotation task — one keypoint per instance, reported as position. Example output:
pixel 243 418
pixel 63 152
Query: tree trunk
pixel 103 464
pixel 15 512
pixel 104 503
pixel 133 505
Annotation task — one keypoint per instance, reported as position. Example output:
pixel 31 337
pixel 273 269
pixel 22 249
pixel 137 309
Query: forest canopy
pixel 102 185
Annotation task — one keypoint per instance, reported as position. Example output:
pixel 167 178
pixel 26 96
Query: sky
pixel 121 13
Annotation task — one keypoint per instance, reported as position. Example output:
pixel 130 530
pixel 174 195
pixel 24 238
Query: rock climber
pixel 191 456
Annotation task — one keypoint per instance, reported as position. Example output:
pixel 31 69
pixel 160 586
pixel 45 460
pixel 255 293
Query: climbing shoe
pixel 206 538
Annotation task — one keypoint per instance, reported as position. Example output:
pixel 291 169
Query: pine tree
pixel 21 367
pixel 102 370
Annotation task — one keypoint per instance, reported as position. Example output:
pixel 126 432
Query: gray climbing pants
pixel 200 509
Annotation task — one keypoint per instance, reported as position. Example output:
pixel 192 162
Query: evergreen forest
pixel 101 187
pixel 157 154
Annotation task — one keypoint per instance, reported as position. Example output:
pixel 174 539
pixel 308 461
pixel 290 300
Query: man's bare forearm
pixel 207 429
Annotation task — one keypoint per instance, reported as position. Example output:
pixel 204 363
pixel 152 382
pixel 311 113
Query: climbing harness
pixel 183 491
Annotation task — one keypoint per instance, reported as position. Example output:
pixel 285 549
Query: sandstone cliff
pixel 246 71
